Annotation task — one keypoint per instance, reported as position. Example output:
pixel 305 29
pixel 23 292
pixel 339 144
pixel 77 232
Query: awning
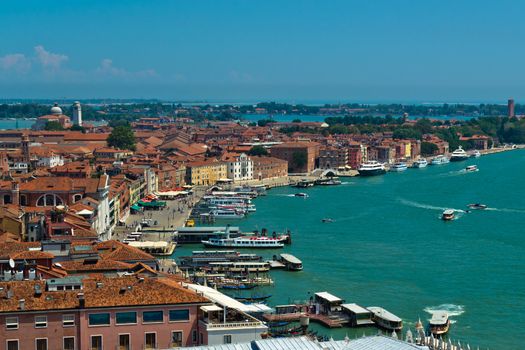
pixel 136 207
pixel 209 308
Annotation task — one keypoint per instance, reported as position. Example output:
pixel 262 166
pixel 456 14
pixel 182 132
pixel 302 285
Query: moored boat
pixel 398 167
pixel 420 163
pixel 291 262
pixel 440 159
pixel 448 215
pixel 475 154
pixel 439 323
pixel 385 319
pixel 459 155
pixel 371 168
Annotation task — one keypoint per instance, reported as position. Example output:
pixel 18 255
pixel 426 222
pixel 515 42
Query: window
pixel 12 344
pixel 96 342
pixel 69 343
pixel 40 321
pixel 124 342
pixel 126 317
pixel 151 340
pixel 152 316
pixel 41 344
pixel 68 320
pixel 176 339
pixel 50 200
pixel 179 315
pixel 227 339
pixel 194 336
pixel 11 322
pixel 99 319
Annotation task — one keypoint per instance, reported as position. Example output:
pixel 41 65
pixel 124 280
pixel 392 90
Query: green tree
pixel 296 121
pixel 122 137
pixel 264 122
pixel 78 128
pixel 428 148
pixel 258 151
pixel 53 126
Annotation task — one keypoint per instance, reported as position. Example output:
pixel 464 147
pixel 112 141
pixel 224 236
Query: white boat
pixel 459 155
pixel 227 214
pixel 475 154
pixel 438 160
pixel 245 242
pixel 420 163
pixel 398 167
pixel 385 319
pixel 439 323
pixel 471 168
pixel 291 262
pixel 448 215
pixel 371 168
pixel 300 194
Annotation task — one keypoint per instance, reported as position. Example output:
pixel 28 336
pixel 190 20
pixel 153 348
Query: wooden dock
pixel 296 316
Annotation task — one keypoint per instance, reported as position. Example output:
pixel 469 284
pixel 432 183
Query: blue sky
pixel 297 51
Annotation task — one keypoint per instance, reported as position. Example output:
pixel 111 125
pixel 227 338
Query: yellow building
pixel 11 220
pixel 206 172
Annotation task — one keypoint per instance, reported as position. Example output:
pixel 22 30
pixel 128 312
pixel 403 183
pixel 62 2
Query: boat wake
pixel 506 210
pixel 427 206
pixel 452 310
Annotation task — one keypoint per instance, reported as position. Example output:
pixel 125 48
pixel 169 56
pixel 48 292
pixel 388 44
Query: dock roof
pixel 290 258
pixel 384 314
pixel 357 309
pixel 328 297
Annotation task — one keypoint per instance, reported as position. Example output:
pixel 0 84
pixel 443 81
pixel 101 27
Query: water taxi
pixel 327 220
pixel 398 167
pixel 420 163
pixel 304 195
pixel 439 323
pixel 459 155
pixel 305 184
pixel 385 319
pixel 471 168
pixel 291 262
pixel 448 215
pixel 477 206
pixel 371 168
pixel 440 159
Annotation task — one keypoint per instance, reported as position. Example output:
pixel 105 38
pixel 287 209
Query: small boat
pixel 438 160
pixel 300 194
pixel 331 181
pixel 420 163
pixel 459 155
pixel 371 168
pixel 237 286
pixel 439 324
pixel 227 214
pixel 471 168
pixel 385 319
pixel 475 154
pixel 477 206
pixel 398 167
pixel 327 220
pixel 448 215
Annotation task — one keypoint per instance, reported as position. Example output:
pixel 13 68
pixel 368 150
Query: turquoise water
pixel 388 247
pixel 321 118
pixel 6 124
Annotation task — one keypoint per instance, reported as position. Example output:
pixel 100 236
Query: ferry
pixel 398 167
pixel 244 266
pixel 438 160
pixel 448 215
pixel 459 155
pixel 246 242
pixel 385 319
pixel 371 168
pixel 420 163
pixel 227 214
pixel 471 168
pixel 439 324
pixel 291 262
pixel 477 206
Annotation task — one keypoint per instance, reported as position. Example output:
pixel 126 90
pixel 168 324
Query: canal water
pixel 388 247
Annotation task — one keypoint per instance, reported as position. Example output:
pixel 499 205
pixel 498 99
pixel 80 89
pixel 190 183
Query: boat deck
pixel 295 317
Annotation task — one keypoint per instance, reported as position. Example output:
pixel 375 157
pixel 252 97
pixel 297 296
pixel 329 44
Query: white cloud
pixel 107 68
pixel 49 60
pixel 15 62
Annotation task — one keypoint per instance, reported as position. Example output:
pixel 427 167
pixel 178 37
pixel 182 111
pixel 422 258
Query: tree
pixel 296 121
pixel 258 151
pixel 122 137
pixel 428 148
pixel 53 126
pixel 78 128
pixel 264 122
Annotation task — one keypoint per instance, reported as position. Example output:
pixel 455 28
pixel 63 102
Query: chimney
pixel 22 304
pixel 81 300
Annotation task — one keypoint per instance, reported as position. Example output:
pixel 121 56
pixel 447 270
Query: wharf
pixel 296 316
pixel 274 264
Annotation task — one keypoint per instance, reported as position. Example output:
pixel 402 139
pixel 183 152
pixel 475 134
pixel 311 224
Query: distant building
pixel 205 172
pixel 77 114
pixel 269 167
pixel 55 115
pixel 240 167
pixel 333 157
pixel 510 108
pixel 301 156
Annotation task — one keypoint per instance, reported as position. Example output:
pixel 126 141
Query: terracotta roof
pixel 99 265
pixel 115 250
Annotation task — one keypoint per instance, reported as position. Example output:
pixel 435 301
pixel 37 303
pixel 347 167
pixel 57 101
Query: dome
pixel 55 110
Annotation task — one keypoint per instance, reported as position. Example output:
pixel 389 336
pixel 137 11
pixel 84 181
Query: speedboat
pixel 459 155
pixel 371 168
pixel 420 163
pixel 300 194
pixel 448 215
pixel 477 206
pixel 475 154
pixel 400 166
pixel 439 324
pixel 438 160
pixel 471 168
pixel 327 220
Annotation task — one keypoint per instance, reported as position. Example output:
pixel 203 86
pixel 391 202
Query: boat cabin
pixel 328 303
pixel 291 262
pixel 385 319
pixel 358 315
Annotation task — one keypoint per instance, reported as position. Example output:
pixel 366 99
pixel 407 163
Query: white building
pixel 77 114
pixel 240 167
pixel 50 161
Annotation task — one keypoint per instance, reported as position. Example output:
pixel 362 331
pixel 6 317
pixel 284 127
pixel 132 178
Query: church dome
pixel 55 110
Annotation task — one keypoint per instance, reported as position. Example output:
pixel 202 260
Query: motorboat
pixel 477 206
pixel 327 220
pixel 300 194
pixel 371 168
pixel 448 215
pixel 475 154
pixel 471 168
pixel 439 324
pixel 440 159
pixel 420 163
pixel 398 167
pixel 459 155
